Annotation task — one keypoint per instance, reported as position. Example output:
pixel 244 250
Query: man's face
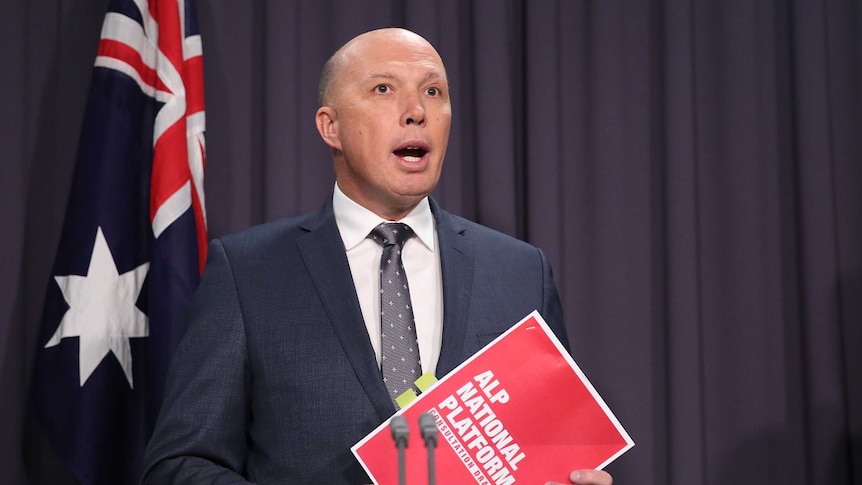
pixel 388 121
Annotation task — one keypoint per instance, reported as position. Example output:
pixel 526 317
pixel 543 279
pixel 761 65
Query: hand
pixel 588 477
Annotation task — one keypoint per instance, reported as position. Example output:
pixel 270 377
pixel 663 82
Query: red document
pixel 519 411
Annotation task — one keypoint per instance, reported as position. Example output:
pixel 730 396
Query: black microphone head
pixel 400 430
pixel 428 428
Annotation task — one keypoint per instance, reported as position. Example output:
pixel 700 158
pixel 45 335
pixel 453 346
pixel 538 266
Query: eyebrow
pixel 388 75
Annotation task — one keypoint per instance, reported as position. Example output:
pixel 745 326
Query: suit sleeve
pixel 200 433
pixel 552 309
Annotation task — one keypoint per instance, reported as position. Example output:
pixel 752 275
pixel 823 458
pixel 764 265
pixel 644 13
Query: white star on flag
pixel 102 311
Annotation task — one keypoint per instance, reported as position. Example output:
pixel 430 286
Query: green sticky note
pixel 425 381
pixel 406 398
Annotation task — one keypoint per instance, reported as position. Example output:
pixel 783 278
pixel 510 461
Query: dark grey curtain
pixel 691 167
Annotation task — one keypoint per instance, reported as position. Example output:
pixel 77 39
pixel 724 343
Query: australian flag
pixel 133 243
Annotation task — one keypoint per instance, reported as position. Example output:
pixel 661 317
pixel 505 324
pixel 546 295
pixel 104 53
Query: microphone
pixel 400 433
pixel 428 429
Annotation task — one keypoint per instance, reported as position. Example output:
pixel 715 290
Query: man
pixel 279 372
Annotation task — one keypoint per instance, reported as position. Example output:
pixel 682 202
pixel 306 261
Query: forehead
pixel 391 56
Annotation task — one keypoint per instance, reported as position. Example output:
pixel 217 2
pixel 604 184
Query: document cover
pixel 518 411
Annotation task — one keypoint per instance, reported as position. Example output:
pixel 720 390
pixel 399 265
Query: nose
pixel 414 111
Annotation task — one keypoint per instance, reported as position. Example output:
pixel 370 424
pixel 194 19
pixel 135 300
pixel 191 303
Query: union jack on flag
pixel 133 243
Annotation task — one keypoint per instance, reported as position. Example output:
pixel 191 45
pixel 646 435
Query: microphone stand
pixel 428 428
pixel 400 433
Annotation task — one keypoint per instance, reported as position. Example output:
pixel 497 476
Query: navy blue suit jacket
pixel 276 377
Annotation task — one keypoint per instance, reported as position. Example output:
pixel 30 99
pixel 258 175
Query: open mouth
pixel 411 154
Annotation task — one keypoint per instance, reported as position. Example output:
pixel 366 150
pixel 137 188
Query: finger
pixel 591 477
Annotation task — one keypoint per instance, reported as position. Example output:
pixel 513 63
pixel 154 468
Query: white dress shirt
pixel 421 262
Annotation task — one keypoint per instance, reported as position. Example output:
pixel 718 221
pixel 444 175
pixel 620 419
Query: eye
pixel 381 88
pixel 433 91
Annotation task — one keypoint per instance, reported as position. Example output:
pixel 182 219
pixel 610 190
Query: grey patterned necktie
pixel 399 349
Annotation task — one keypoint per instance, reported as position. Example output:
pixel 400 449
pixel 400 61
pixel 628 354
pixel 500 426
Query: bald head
pixel 354 49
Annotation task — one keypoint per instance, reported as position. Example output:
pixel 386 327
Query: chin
pixel 415 193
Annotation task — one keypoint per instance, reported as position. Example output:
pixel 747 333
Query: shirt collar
pixel 356 222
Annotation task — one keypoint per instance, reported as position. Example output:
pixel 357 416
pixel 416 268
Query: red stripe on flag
pixel 167 14
pixel 127 54
pixel 193 72
pixel 201 227
pixel 170 165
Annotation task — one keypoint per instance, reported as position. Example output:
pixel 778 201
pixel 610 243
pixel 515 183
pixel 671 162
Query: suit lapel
pixel 323 253
pixel 324 256
pixel 456 261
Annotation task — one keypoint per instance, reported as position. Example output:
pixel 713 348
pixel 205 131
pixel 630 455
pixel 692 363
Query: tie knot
pixel 389 233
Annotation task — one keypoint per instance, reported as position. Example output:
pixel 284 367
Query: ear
pixel 327 125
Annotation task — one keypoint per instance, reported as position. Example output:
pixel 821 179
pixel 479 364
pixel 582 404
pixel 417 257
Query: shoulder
pixel 268 231
pixel 270 235
pixel 480 235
